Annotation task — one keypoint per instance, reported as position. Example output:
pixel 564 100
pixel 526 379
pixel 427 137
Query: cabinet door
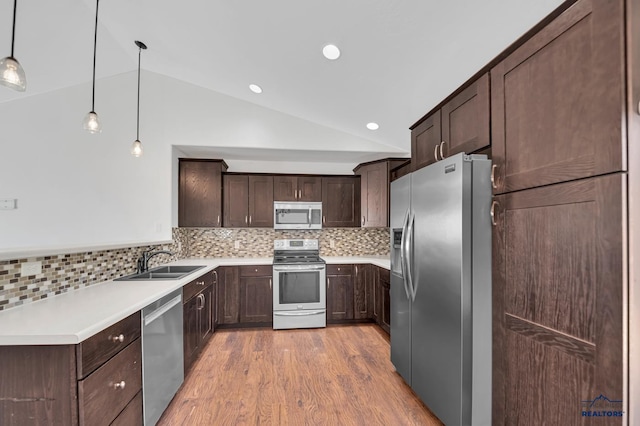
pixel 205 325
pixel 236 200
pixel 558 308
pixel 339 292
pixel 374 189
pixel 261 201
pixel 200 193
pixel 191 333
pixel 465 119
pixel 385 300
pixel 376 296
pixel 557 102
pixel 425 139
pixel 309 188
pixel 341 201
pixel 285 188
pixel 228 297
pixel 362 292
pixel 256 299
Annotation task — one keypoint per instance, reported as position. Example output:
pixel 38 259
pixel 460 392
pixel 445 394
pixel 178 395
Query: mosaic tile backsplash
pixel 258 242
pixel 67 272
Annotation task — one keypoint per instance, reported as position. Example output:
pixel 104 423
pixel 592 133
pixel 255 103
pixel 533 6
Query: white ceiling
pixel 399 57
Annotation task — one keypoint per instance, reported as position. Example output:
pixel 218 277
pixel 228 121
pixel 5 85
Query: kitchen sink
pixel 174 272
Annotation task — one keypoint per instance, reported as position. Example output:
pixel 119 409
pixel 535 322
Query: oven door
pixel 298 287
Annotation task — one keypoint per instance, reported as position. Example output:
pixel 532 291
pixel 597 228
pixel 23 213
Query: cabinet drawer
pixel 100 397
pixel 98 349
pixel 132 414
pixel 196 286
pixel 339 269
pixel 256 271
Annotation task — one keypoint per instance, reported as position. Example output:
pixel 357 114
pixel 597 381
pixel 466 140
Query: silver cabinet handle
pixel 493 176
pixel 218 220
pixel 246 219
pixel 435 152
pixel 356 270
pixel 441 149
pixel 249 220
pixel 270 284
pixel 215 276
pixel 363 220
pixel 493 212
pixel 328 283
pixel 199 282
pixel 117 339
pixel 119 385
pixel 324 219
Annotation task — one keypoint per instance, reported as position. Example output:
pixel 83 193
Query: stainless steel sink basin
pixel 162 273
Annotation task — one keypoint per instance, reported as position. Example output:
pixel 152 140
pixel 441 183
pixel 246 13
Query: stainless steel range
pixel 299 285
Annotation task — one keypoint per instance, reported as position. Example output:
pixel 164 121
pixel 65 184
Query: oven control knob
pixel 300 307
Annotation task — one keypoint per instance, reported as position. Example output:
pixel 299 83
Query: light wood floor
pixel 339 375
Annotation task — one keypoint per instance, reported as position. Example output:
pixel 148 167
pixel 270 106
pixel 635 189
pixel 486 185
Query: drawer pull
pixel 117 339
pixel 119 385
pixel 200 282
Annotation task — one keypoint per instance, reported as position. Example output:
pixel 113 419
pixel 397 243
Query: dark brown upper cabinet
pixel 461 125
pixel 248 200
pixel 341 201
pixel 374 194
pixel 557 102
pixel 200 192
pixel 297 188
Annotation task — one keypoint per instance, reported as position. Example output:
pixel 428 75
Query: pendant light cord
pixel 95 42
pixel 138 116
pixel 13 32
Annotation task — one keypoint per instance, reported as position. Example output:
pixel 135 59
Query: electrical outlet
pixel 236 244
pixel 30 268
pixel 332 243
pixel 9 204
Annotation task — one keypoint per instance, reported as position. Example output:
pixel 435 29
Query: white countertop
pixel 72 317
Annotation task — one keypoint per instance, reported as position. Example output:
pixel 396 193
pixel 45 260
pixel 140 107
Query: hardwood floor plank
pixel 339 375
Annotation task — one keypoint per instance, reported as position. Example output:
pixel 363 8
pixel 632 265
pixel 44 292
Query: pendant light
pixel 136 148
pixel 11 72
pixel 91 122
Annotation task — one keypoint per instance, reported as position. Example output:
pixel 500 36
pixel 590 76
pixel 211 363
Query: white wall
pixel 77 190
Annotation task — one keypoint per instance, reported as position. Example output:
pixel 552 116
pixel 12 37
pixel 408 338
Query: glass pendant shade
pixel 12 75
pixel 91 123
pixel 136 149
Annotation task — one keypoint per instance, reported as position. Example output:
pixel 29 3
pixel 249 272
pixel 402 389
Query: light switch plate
pixel 30 268
pixel 8 204
pixel 236 244
pixel 332 243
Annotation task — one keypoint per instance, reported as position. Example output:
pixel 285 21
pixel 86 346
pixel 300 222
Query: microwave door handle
pixel 309 217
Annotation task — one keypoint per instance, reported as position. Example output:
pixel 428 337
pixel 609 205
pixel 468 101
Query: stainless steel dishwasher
pixel 162 354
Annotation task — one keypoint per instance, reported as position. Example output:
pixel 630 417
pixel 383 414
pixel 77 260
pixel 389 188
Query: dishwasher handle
pixel 148 319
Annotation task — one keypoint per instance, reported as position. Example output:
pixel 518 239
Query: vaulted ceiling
pixel 399 57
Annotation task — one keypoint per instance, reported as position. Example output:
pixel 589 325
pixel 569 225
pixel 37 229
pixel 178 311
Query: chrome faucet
pixel 143 261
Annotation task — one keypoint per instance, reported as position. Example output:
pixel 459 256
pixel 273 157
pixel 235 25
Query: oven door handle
pixel 298 314
pixel 297 268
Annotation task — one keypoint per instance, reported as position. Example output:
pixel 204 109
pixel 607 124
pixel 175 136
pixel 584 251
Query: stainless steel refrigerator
pixel 441 286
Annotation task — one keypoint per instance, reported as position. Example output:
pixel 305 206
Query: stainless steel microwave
pixel 297 215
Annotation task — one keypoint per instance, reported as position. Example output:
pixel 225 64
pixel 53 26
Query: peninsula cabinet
pixel 297 188
pixel 256 296
pixel 200 192
pixel 96 382
pixel 248 201
pixel 559 280
pixel 461 125
pixel 341 201
pixel 198 308
pixel 558 101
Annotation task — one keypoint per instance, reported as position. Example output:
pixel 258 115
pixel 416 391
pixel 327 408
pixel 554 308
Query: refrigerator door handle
pixel 403 256
pixel 409 255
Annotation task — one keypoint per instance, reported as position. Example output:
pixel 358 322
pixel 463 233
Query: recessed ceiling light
pixel 255 88
pixel 373 126
pixel 331 52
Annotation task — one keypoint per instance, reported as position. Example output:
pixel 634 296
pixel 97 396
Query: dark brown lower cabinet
pixel 256 297
pixel 362 289
pixel 74 384
pixel 558 308
pixel 228 296
pixel 340 292
pixel 383 289
pixel 198 310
